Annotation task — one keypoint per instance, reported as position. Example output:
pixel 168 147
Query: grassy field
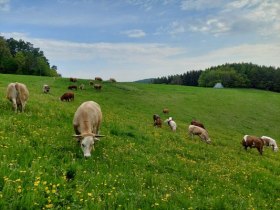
pixel 137 166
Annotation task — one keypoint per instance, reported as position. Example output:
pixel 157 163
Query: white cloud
pixel 200 4
pixel 129 62
pixel 135 33
pixel 4 5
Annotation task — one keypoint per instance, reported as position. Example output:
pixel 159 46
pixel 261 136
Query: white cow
pixel 268 141
pixel 86 122
pixel 18 94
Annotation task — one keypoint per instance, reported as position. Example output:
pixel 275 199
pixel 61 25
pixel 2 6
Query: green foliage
pixel 225 75
pixel 19 57
pixel 238 75
pixel 138 166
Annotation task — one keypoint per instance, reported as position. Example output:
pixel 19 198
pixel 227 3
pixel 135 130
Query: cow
pixel 67 97
pixel 98 79
pixel 72 87
pixel 82 86
pixel 157 120
pixel 268 141
pixel 171 123
pixel 197 123
pixel 73 79
pixel 97 86
pixel 86 122
pixel 165 111
pixel 46 89
pixel 201 132
pixel 253 142
pixel 18 94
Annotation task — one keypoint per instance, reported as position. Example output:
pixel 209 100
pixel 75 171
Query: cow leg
pixel 14 104
pixel 260 149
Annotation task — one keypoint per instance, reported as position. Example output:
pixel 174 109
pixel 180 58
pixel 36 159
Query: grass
pixel 137 166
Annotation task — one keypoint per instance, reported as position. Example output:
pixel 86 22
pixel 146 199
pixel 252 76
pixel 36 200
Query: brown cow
pixel 98 79
pixel 67 97
pixel 165 111
pixel 253 142
pixel 157 120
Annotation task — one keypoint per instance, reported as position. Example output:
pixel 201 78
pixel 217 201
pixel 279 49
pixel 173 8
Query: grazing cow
pixel 46 89
pixel 253 142
pixel 268 141
pixel 97 86
pixel 165 111
pixel 201 132
pixel 73 79
pixel 197 123
pixel 18 94
pixel 86 122
pixel 113 80
pixel 98 79
pixel 82 86
pixel 67 97
pixel 72 87
pixel 171 123
pixel 91 83
pixel 157 120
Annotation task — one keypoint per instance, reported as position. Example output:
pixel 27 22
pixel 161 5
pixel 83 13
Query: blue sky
pixel 136 39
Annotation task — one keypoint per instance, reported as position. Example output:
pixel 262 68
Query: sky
pixel 131 40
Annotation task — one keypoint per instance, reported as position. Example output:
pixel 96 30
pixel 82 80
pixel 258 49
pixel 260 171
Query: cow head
pixel 87 142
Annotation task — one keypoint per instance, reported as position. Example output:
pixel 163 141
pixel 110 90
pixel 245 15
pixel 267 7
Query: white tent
pixel 218 85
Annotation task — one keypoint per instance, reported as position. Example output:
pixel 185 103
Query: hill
pixel 146 81
pixel 137 166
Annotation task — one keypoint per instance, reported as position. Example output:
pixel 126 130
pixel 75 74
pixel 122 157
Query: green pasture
pixel 138 166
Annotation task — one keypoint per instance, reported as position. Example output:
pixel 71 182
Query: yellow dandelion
pixel 45 182
pixel 19 190
pixel 53 191
pixel 90 194
pixel 49 206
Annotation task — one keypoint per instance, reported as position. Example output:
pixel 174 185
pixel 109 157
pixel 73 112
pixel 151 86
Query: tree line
pixel 235 75
pixel 20 57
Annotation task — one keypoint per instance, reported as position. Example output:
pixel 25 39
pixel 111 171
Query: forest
pixel 235 75
pixel 20 57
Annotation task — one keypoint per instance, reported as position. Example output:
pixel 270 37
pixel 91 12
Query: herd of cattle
pixel 88 116
pixel 197 128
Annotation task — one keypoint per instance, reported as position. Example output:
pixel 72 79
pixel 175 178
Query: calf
pixel 46 89
pixel 67 97
pixel 253 142
pixel 171 123
pixel 201 132
pixel 157 120
pixel 86 122
pixel 18 94
pixel 268 141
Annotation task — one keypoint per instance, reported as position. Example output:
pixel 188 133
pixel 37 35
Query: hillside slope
pixel 137 166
